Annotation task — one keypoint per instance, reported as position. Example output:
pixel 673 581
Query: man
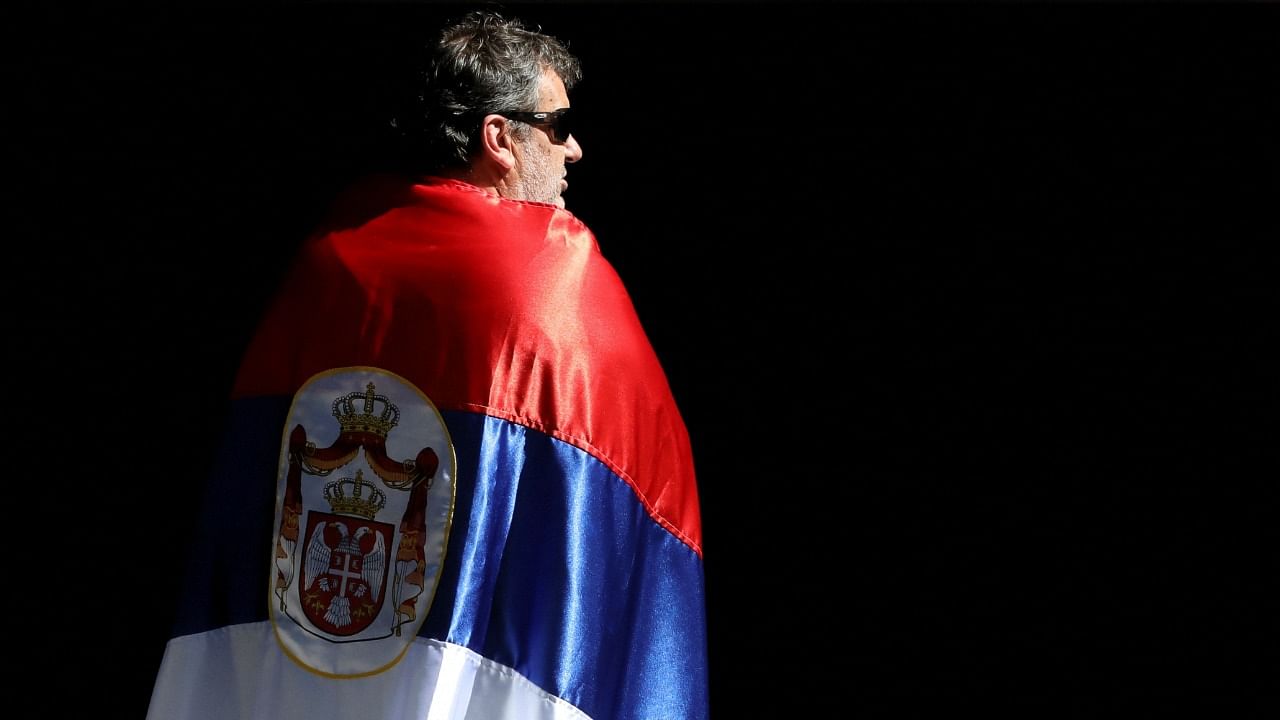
pixel 455 483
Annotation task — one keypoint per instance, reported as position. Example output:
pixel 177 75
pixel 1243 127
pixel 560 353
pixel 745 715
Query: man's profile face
pixel 540 163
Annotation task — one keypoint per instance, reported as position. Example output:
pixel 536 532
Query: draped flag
pixel 454 484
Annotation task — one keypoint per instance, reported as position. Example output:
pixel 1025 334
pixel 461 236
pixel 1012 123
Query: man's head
pixel 487 108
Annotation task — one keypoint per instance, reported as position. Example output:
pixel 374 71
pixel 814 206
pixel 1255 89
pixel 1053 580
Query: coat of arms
pixel 357 555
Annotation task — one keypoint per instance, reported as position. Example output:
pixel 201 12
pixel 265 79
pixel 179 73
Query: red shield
pixel 344 571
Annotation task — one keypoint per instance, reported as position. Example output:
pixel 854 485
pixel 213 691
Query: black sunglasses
pixel 556 121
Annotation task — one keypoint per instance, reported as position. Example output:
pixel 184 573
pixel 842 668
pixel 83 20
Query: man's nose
pixel 572 150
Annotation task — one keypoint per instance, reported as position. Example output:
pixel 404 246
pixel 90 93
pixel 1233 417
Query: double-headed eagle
pixel 371 567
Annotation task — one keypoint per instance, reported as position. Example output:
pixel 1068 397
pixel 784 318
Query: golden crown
pixel 346 496
pixel 344 409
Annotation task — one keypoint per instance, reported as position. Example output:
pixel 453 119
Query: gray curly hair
pixel 482 63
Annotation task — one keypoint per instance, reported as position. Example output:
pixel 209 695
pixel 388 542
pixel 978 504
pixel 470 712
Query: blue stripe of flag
pixel 554 567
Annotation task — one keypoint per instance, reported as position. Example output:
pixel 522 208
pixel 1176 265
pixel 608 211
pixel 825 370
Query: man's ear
pixel 497 143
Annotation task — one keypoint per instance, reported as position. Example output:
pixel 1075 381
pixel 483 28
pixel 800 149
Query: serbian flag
pixel 454 484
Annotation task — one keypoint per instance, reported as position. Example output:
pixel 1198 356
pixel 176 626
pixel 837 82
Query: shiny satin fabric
pixel 553 569
pixel 575 554
pixel 563 576
pixel 490 305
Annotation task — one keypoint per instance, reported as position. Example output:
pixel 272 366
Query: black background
pixel 961 303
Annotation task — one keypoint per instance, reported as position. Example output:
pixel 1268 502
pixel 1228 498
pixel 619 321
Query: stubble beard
pixel 540 178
